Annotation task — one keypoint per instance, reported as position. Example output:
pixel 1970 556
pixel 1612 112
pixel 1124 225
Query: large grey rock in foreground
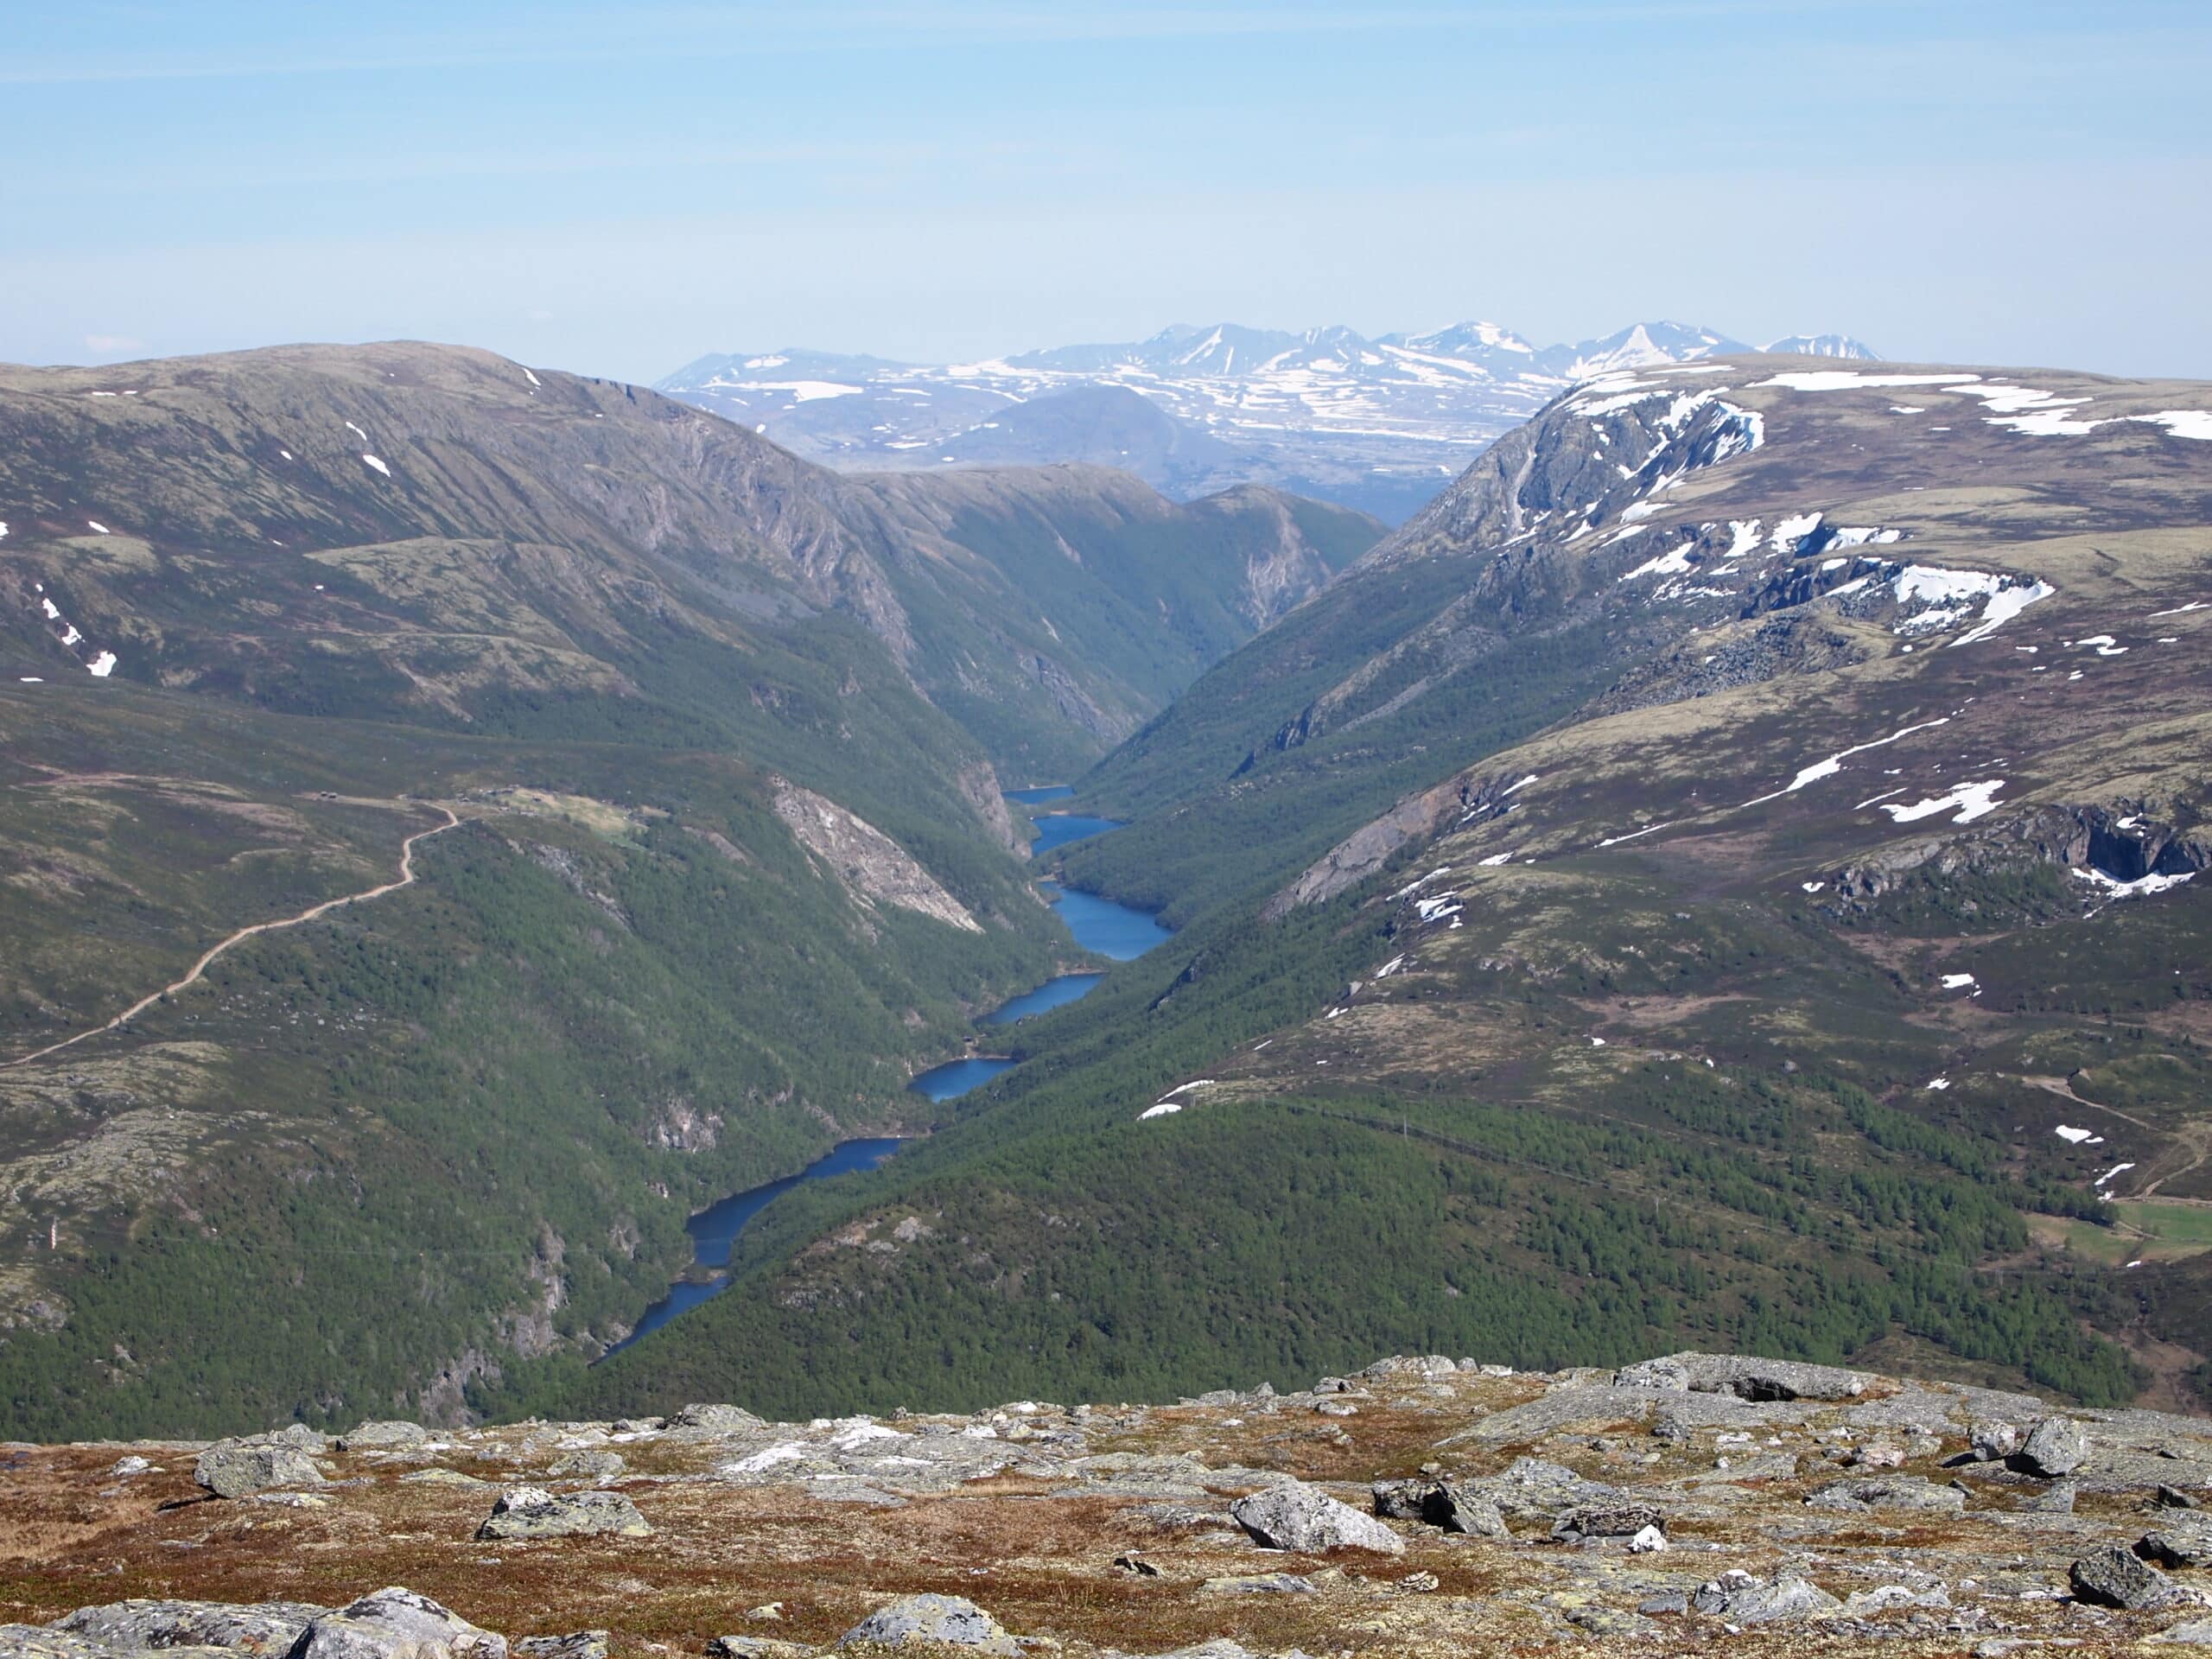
pixel 2056 1446
pixel 1295 1515
pixel 38 1642
pixel 952 1620
pixel 395 1624
pixel 2112 1577
pixel 240 1468
pixel 270 1627
pixel 533 1512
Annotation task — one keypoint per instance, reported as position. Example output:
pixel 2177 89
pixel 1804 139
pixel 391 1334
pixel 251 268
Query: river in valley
pixel 1100 925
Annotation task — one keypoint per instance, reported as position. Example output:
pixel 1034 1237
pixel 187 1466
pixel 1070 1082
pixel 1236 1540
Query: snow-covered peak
pixel 1824 345
pixel 1645 344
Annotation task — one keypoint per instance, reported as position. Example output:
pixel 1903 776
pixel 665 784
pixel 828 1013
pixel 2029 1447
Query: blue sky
pixel 620 189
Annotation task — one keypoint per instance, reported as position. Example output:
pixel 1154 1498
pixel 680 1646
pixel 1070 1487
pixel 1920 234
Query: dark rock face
pixel 2086 837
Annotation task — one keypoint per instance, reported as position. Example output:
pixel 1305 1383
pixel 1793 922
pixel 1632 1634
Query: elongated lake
pixel 1099 924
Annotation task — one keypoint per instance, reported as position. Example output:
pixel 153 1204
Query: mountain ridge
pixel 1379 423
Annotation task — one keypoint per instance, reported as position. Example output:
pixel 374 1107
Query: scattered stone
pixel 719 1420
pixel 2197 1632
pixel 270 1628
pixel 756 1647
pixel 2055 1447
pixel 1658 1606
pixel 1785 1601
pixel 595 1466
pixel 1608 1521
pixel 395 1624
pixel 239 1468
pixel 2184 1539
pixel 1744 1377
pixel 1878 1456
pixel 577 1644
pixel 2112 1577
pixel 1294 1515
pixel 442 1478
pixel 1891 1596
pixel 2056 1499
pixel 1611 1622
pixel 382 1437
pixel 1994 1442
pixel 2173 1498
pixel 533 1512
pixel 1263 1584
pixel 1887 1492
pixel 952 1620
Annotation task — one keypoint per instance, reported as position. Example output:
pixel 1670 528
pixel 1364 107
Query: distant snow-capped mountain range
pixel 1380 424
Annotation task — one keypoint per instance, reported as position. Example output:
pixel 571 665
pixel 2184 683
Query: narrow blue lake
pixel 1109 929
pixel 1113 931
pixel 1052 994
pixel 1056 830
pixel 1099 924
pixel 714 1230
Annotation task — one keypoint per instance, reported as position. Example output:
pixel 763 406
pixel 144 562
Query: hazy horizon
pixel 617 191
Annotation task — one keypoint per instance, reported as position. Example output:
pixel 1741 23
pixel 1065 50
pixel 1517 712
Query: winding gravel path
pixel 406 879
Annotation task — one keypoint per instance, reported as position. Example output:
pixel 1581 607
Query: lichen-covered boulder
pixel 2055 1447
pixel 533 1512
pixel 270 1628
pixel 953 1621
pixel 2113 1577
pixel 1294 1515
pixel 396 1623
pixel 240 1468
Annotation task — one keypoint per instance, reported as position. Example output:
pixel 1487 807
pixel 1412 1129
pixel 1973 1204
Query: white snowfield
pixel 1972 800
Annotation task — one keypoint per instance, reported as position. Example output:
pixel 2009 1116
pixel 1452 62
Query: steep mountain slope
pixel 1378 424
pixel 1725 870
pixel 433 530
pixel 550 807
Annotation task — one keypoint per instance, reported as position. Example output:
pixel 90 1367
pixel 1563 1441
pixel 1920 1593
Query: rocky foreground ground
pixel 1423 1507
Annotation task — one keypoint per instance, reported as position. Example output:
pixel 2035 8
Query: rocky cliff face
pixel 1423 1505
pixel 872 868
